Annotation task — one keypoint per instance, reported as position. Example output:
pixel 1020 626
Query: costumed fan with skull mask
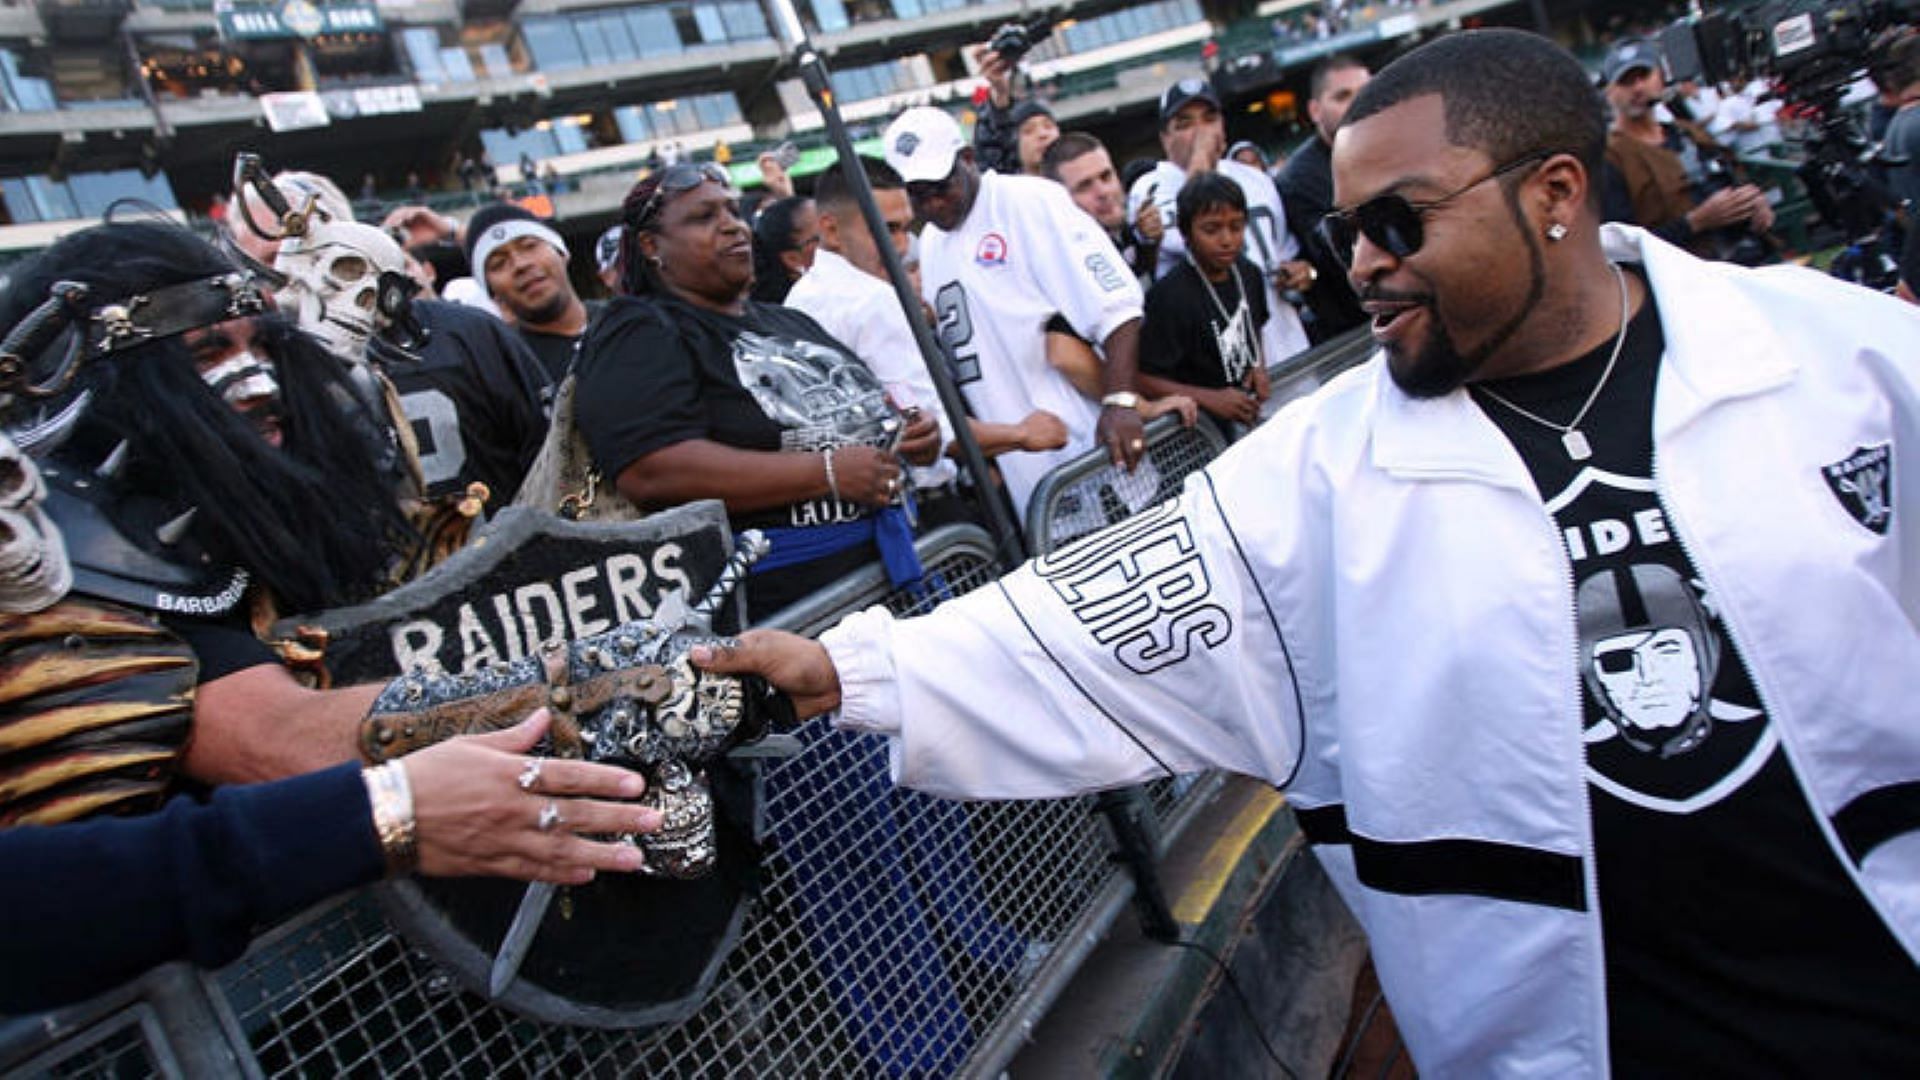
pixel 189 500
pixel 175 502
pixel 461 398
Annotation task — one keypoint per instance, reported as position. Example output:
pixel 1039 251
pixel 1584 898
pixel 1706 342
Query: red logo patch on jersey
pixel 993 250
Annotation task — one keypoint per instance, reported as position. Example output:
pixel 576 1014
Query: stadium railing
pixel 1090 492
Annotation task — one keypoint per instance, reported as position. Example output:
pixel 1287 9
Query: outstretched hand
pixel 797 666
pixel 474 816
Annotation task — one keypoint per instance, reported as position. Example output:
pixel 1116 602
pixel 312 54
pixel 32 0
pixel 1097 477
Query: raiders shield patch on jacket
pixel 1863 483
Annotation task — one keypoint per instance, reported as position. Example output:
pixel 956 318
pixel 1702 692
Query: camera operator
pixel 1901 146
pixel 1010 136
pixel 1663 165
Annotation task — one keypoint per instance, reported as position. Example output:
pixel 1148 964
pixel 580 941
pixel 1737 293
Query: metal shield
pixel 625 951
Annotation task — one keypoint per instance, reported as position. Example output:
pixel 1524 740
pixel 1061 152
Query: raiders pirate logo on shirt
pixel 1672 721
pixel 1863 483
pixel 821 398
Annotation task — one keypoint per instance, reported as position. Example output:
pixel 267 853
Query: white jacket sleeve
pixel 1142 650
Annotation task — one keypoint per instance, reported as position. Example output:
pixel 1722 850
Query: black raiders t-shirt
pixel 655 371
pixel 473 397
pixel 1735 941
pixel 1185 337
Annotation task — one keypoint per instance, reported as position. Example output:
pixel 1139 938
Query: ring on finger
pixel 530 775
pixel 549 817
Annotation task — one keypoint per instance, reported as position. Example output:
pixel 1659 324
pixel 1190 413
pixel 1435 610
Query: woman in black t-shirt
pixel 688 390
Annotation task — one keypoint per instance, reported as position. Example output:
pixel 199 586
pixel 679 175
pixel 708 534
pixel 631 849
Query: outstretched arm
pixel 98 902
pixel 1141 651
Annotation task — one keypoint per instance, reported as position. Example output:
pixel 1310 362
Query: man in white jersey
pixel 1000 256
pixel 848 294
pixel 1194 138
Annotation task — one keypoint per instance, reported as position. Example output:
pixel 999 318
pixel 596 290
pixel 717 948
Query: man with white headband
pixel 522 262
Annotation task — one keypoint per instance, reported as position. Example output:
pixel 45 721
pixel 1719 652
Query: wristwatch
pixel 1121 399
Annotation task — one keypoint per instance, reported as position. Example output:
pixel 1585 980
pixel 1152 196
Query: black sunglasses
pixel 1395 224
pixel 680 177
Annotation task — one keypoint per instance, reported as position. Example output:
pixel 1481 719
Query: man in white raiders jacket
pixel 1580 624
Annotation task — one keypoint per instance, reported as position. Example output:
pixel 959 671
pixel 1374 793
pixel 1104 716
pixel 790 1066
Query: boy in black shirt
pixel 1200 334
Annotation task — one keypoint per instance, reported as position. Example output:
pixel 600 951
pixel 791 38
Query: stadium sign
pixel 299 18
pixel 294 110
pixel 371 101
pixel 530 577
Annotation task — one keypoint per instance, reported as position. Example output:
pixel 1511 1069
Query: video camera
pixel 1814 49
pixel 1013 40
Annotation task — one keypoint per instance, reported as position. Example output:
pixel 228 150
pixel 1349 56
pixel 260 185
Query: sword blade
pixel 513 947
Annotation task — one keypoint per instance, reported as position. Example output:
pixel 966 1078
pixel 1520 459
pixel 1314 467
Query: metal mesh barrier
pixel 968 556
pixel 893 935
pixel 1090 493
pixel 123 1046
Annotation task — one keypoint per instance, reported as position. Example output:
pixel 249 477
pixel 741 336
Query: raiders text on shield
pixel 534 578
pixel 1864 485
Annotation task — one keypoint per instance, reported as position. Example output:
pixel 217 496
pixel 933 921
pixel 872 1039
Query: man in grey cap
pixel 1194 139
pixel 1662 165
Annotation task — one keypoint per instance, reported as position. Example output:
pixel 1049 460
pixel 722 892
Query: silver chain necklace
pixel 1225 316
pixel 1571 437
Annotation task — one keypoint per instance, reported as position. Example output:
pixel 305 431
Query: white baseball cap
pixel 921 144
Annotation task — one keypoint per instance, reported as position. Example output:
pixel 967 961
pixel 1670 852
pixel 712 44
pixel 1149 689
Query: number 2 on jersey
pixel 956 332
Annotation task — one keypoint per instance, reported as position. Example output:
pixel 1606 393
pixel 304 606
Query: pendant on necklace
pixel 1576 446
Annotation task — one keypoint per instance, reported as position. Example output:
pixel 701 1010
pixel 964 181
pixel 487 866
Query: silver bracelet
pixel 392 799
pixel 833 485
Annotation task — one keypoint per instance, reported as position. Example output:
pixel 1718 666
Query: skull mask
pixel 333 283
pixel 34 571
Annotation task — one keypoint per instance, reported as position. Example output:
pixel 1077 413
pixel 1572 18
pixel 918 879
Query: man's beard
pixel 1439 368
pixel 546 313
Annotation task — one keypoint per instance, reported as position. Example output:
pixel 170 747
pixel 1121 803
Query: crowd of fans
pixel 413 369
